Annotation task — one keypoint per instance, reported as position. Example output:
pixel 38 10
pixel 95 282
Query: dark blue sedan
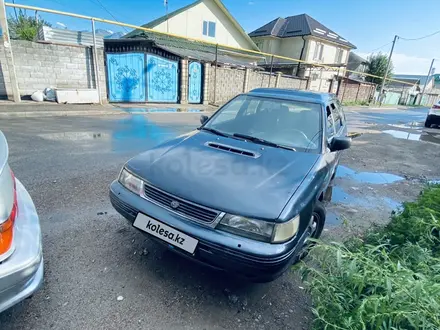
pixel 244 192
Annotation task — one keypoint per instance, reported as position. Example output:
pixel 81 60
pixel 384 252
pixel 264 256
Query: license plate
pixel 165 233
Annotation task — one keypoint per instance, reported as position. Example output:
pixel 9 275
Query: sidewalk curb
pixel 36 114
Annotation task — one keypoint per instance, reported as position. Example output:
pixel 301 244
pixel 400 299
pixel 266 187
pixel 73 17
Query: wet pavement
pixel 92 255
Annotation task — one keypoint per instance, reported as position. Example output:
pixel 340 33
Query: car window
pixel 330 123
pixel 229 110
pixel 251 107
pixel 341 110
pixel 336 117
pixel 288 123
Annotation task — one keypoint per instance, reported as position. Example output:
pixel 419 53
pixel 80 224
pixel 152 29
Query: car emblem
pixel 175 204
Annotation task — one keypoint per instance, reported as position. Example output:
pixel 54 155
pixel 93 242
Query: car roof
pixel 292 94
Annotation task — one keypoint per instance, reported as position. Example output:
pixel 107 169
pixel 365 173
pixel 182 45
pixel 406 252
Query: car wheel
pixel 314 230
pixel 428 123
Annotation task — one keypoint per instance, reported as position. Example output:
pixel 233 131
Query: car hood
pixel 239 184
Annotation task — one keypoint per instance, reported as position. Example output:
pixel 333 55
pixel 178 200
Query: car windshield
pixel 284 123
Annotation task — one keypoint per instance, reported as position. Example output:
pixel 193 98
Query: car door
pixel 331 158
pixel 340 109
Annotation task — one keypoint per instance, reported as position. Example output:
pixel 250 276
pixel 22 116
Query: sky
pixel 370 25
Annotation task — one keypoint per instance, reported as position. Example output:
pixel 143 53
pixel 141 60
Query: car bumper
pixel 247 258
pixel 22 273
pixel 433 118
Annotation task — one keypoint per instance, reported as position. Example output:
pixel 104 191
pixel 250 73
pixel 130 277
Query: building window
pixel 338 57
pixel 209 29
pixel 319 49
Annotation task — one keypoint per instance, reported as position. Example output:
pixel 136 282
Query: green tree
pixel 24 27
pixel 377 65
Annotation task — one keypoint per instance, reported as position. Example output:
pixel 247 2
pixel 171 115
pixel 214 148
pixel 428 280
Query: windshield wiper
pixel 213 130
pixel 261 141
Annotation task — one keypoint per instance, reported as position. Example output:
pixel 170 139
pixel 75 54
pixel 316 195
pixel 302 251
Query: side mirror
pixel 203 119
pixel 340 143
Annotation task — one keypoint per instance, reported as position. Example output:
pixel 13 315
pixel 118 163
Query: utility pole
pixel 388 68
pixel 8 53
pixel 95 62
pixel 166 9
pixel 427 80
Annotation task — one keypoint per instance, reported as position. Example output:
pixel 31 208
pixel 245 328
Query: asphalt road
pixel 93 256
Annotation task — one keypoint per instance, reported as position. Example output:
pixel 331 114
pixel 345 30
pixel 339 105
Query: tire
pixel 428 123
pixel 319 214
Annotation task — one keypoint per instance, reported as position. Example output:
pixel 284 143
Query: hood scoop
pixel 233 150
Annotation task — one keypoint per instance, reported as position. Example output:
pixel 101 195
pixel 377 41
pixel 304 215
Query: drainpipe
pixel 301 55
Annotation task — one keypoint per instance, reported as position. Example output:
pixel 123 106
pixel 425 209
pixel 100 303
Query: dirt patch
pixel 378 173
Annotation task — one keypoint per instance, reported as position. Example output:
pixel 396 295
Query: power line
pixel 389 43
pixel 427 36
pixel 108 11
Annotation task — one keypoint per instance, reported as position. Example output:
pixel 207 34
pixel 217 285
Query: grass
pixel 388 279
pixel 353 103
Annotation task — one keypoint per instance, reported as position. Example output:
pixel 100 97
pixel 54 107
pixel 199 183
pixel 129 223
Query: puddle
pixel 137 110
pixel 392 203
pixel 367 177
pixel 403 135
pixel 332 219
pixel 426 137
pixel 341 197
pixel 74 136
pixel 351 205
pixel 138 133
pixel 411 125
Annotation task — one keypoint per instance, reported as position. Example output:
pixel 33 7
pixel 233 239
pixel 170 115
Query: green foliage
pixel 388 280
pixel 377 65
pixel 24 27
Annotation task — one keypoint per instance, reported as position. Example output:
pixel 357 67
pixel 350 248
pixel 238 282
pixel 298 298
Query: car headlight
pixel 258 229
pixel 130 181
pixel 286 230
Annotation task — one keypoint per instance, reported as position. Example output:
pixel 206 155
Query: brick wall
pixel 40 65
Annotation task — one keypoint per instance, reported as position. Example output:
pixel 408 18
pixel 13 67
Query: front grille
pixel 184 208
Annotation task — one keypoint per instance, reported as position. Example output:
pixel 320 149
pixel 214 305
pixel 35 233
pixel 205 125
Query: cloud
pixel 404 64
pixel 251 3
pixel 61 24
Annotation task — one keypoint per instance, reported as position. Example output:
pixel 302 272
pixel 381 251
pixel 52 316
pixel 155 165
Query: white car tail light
pixel 8 203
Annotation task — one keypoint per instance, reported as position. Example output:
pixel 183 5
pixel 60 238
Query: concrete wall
pixel 260 79
pixel 40 65
pixel 189 23
pixel 291 82
pixel 229 82
pixel 351 91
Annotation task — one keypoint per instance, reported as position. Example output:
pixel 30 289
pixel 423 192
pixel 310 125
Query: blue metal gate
pixel 161 79
pixel 195 82
pixel 126 77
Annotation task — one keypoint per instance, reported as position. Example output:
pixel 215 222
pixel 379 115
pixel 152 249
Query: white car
pixel 21 256
pixel 433 117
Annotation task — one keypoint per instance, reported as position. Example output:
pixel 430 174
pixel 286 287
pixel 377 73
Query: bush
pixel 389 279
